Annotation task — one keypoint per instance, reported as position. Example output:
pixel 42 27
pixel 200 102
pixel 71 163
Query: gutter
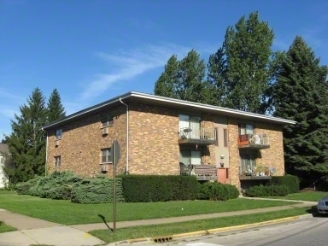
pixel 127 136
pixel 45 164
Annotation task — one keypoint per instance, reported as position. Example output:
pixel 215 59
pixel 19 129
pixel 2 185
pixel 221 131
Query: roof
pixel 171 102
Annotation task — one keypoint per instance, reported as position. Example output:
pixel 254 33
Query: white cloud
pixel 128 64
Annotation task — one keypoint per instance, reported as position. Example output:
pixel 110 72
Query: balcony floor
pixel 197 141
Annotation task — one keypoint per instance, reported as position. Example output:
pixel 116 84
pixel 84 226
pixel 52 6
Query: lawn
pixel 5 228
pixel 306 196
pixel 65 212
pixel 183 227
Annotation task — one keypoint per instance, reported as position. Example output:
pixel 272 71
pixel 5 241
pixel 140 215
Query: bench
pixel 206 171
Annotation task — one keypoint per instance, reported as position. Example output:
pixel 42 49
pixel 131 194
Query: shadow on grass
pixel 314 211
pixel 104 220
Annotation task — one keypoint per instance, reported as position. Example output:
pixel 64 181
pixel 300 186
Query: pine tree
pixel 300 94
pixel 165 85
pixel 27 141
pixel 55 109
pixel 182 79
pixel 242 69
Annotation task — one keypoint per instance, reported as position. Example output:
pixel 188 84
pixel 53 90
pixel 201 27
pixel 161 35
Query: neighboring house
pixel 165 136
pixel 3 177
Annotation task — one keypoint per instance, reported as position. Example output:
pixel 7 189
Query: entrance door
pixel 184 126
pixel 196 158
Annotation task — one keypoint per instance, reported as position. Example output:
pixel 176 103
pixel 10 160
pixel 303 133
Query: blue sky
pixel 92 50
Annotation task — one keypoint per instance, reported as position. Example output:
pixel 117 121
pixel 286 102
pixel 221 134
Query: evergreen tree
pixel 166 83
pixel 242 69
pixel 27 141
pixel 182 79
pixel 55 109
pixel 215 89
pixel 300 94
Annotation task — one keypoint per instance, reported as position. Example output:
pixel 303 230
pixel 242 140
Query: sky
pixel 93 50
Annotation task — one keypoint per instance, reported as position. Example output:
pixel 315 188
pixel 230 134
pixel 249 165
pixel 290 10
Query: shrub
pixel 24 187
pixel 96 190
pixel 153 188
pixel 292 182
pixel 270 190
pixel 217 191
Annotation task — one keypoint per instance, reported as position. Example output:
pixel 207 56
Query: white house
pixel 3 151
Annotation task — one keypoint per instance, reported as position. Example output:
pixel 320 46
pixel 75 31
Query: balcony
pixel 256 172
pixel 199 136
pixel 201 172
pixel 253 141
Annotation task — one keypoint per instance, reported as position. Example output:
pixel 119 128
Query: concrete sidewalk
pixel 36 231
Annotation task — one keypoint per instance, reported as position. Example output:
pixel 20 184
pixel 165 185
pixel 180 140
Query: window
pixel 106 155
pixel 57 161
pixel 59 133
pixel 225 137
pixel 107 121
pixel 246 129
pixel 247 161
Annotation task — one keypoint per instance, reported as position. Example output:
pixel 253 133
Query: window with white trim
pixel 107 121
pixel 57 161
pixel 59 133
pixel 246 129
pixel 106 155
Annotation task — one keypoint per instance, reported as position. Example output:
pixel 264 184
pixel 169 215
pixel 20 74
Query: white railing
pixel 197 133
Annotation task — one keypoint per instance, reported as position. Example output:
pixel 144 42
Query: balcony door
pixel 188 156
pixel 189 126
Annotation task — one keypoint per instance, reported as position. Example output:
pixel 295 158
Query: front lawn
pixel 306 196
pixel 5 228
pixel 65 212
pixel 183 227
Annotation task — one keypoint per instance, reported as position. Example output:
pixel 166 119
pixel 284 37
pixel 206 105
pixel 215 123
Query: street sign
pixel 116 153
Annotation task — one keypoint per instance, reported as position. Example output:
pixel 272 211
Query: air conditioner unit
pixel 104 168
pixel 104 131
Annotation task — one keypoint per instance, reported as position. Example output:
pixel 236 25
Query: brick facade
pixel 153 142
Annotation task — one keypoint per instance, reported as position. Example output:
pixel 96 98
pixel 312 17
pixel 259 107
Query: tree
pixel 300 94
pixel 182 79
pixel 55 109
pixel 242 68
pixel 27 142
pixel 166 83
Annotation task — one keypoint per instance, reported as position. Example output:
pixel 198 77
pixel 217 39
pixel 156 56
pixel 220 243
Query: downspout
pixel 127 136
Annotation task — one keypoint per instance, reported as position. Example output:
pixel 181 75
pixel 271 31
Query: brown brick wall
pixel 154 147
pixel 82 141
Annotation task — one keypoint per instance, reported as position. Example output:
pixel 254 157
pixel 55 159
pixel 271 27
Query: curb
pixel 208 232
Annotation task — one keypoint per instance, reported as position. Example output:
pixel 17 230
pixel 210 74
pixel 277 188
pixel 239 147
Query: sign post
pixel 115 153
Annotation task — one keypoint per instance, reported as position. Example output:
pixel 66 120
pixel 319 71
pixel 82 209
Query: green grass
pixel 183 227
pixel 306 196
pixel 5 191
pixel 65 212
pixel 6 228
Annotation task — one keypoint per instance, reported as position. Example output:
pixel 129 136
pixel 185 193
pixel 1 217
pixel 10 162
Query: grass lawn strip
pixel 68 213
pixel 6 228
pixel 184 227
pixel 306 196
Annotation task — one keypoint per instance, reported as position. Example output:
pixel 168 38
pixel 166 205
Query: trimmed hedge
pixel 96 190
pixel 292 182
pixel 154 188
pixel 270 190
pixel 217 191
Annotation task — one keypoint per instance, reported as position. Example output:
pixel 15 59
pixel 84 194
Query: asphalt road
pixel 302 232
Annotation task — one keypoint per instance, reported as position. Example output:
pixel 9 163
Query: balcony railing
pixel 254 141
pixel 256 172
pixel 200 136
pixel 201 172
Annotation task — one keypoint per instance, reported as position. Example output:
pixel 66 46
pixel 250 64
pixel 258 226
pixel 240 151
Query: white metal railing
pixel 254 139
pixel 197 133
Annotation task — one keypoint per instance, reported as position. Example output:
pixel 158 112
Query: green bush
pixel 217 191
pixel 154 188
pixel 270 190
pixel 57 185
pixel 96 190
pixel 292 182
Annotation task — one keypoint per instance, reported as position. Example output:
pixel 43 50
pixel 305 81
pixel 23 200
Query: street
pixel 302 232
